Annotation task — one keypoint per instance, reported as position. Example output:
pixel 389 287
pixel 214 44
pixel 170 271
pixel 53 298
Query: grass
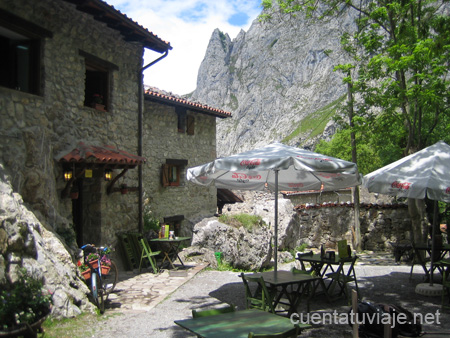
pixel 245 220
pixel 79 327
pixel 314 124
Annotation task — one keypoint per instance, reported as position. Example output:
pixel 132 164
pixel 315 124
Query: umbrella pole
pixel 276 221
pixel 433 239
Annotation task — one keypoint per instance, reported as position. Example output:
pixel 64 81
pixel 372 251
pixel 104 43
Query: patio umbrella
pixel 419 175
pixel 277 166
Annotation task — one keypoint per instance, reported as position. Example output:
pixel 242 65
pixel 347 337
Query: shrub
pixel 24 302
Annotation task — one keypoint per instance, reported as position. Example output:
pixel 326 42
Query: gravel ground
pixel 380 281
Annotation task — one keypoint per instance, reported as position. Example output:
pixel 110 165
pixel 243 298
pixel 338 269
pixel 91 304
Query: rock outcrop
pixel 241 248
pixel 25 242
pixel 277 79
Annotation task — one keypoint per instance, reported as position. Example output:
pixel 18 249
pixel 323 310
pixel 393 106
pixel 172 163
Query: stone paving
pixel 139 292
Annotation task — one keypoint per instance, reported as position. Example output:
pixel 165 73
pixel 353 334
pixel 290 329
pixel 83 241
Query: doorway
pixel 86 211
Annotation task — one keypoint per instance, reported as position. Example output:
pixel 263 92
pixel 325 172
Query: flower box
pixel 86 274
pixel 105 269
pixel 94 263
pixel 98 106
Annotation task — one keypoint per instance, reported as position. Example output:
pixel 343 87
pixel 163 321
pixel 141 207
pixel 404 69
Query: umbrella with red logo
pixel 277 167
pixel 419 175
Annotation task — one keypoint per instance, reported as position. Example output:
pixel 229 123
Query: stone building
pixel 70 109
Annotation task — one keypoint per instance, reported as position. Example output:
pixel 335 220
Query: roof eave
pixel 190 105
pixel 129 29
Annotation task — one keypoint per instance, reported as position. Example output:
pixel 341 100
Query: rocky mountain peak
pixel 277 79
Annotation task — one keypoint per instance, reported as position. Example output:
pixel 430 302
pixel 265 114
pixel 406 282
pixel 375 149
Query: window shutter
pixel 164 175
pixel 190 125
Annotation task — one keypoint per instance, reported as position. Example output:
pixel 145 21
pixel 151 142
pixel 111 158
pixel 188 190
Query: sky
pixel 187 25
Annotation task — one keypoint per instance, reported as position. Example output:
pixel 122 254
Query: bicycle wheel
pixel 97 292
pixel 109 281
pixel 101 301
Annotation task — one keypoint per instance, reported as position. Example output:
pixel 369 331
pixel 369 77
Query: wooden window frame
pixel 168 170
pixel 167 175
pixel 98 80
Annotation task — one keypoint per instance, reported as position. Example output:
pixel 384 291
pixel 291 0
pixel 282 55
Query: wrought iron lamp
pixel 108 174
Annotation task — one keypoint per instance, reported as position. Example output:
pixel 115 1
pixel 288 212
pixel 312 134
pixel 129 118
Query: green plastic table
pixel 238 324
pixel 321 264
pixel 171 249
pixel 301 284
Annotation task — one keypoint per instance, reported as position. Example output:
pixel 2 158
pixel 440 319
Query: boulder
pixel 243 249
pixel 25 242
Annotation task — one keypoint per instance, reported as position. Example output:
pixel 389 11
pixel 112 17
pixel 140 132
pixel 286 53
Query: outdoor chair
pixel 445 284
pixel 303 267
pixel 424 259
pixel 341 279
pixel 149 254
pixel 294 332
pixel 212 312
pixel 257 297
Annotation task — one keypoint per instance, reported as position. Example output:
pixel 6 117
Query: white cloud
pixel 187 25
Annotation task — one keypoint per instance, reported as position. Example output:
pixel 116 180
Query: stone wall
pixel 327 223
pixel 37 129
pixel 162 142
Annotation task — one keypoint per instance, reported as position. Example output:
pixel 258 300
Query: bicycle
pixel 102 280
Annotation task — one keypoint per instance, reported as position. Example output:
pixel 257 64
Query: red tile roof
pixel 115 19
pixel 159 95
pixel 84 153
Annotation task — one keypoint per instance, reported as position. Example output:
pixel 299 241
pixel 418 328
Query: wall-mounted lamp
pixel 68 174
pixel 108 174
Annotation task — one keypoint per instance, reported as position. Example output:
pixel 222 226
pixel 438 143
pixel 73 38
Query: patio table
pixel 171 249
pixel 320 265
pixel 238 324
pixel 301 284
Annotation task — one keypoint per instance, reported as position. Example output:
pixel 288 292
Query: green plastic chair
pixel 149 254
pixel 342 279
pixel 445 284
pixel 294 332
pixel 259 297
pixel 213 312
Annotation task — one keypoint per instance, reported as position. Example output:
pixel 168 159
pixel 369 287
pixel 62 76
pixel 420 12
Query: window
pixel 171 172
pixel 20 53
pixel 190 125
pixel 175 223
pixel 185 122
pixel 181 113
pixel 97 82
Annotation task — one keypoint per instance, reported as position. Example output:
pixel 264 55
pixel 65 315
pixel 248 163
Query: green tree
pixel 401 51
pixel 401 54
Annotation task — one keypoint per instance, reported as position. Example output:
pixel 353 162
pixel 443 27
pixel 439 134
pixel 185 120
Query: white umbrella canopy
pixel 280 167
pixel 419 175
pixel 299 170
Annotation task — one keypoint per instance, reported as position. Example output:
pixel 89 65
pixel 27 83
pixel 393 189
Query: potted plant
pixel 105 264
pixel 97 102
pixel 92 258
pixel 23 304
pixel 123 188
pixel 85 271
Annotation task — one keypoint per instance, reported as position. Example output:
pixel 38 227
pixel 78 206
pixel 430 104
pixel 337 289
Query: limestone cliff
pixel 277 79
